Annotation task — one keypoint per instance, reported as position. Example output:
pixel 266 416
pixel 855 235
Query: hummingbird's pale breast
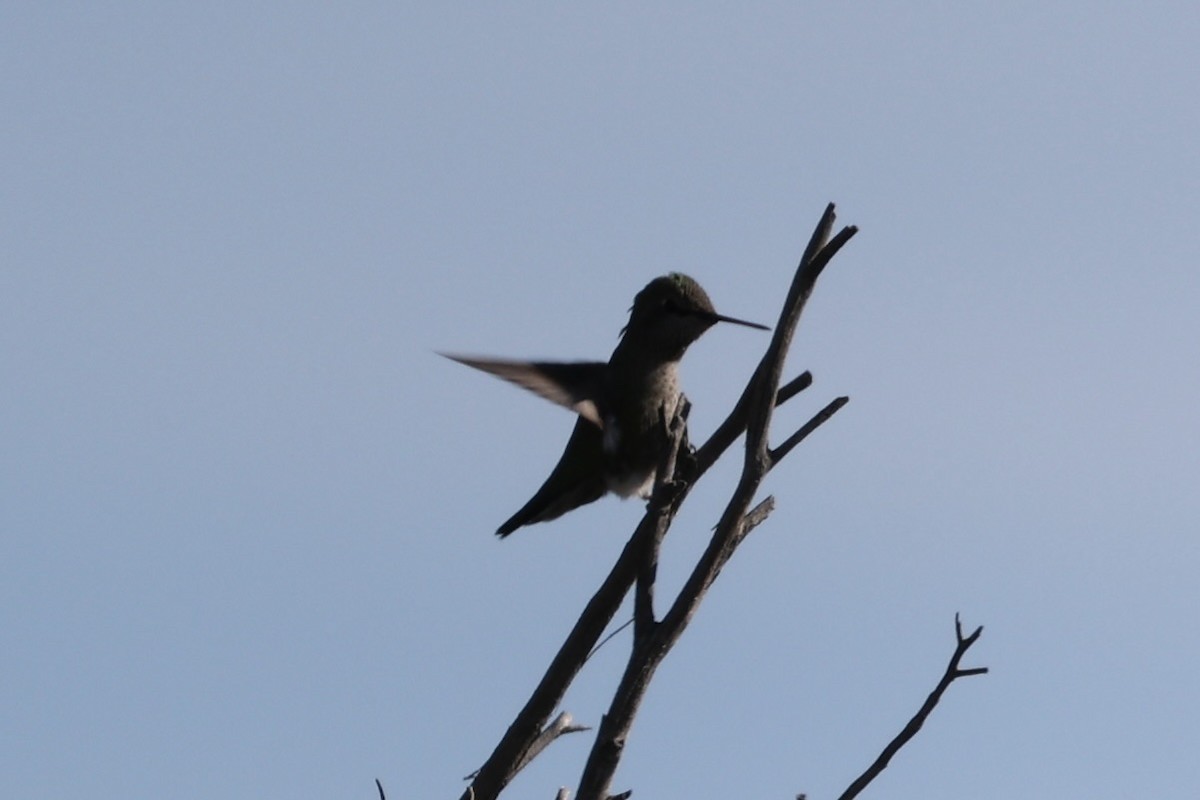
pixel 633 430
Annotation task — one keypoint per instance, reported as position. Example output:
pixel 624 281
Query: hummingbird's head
pixel 674 311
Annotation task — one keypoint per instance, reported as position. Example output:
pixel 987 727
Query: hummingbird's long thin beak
pixel 723 318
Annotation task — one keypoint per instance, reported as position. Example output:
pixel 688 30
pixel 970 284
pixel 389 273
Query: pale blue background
pixel 246 514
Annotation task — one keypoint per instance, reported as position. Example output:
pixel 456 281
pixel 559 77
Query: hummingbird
pixel 617 442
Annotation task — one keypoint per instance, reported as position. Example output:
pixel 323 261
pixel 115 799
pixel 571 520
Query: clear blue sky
pixel 246 514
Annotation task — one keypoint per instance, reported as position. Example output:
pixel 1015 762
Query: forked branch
pixel 653 638
pixel 953 672
pixel 753 414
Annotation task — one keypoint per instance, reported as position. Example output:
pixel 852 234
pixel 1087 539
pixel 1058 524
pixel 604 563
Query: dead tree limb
pixel 753 413
pixel 653 639
pixel 953 672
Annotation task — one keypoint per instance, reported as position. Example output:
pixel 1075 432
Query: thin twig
pixel 952 673
pixel 820 418
pixel 606 639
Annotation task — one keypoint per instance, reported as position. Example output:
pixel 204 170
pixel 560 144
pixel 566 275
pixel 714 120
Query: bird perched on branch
pixel 617 443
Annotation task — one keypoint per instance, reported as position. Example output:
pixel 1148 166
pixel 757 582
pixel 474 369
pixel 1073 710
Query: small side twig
pixel 754 517
pixel 820 418
pixel 793 387
pixel 561 726
pixel 953 672
pixel 606 639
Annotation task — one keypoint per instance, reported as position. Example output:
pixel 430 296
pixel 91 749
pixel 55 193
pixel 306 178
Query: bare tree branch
pixel 562 725
pixel 503 764
pixel 793 387
pixel 675 433
pixel 777 454
pixel 606 639
pixel 509 755
pixel 952 673
pixel 637 566
pixel 639 558
pixel 753 412
pixel 759 514
pixel 816 256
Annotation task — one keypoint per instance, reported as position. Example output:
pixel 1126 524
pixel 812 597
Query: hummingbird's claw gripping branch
pixel 667 490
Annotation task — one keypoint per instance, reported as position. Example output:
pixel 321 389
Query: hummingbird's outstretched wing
pixel 574 385
pixel 577 479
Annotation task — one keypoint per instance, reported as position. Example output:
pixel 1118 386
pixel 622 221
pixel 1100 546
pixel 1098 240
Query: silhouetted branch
pixel 653 639
pixel 509 755
pixel 675 431
pixel 952 673
pixel 793 387
pixel 562 725
pixel 816 256
pixel 753 412
pixel 800 435
pixel 758 515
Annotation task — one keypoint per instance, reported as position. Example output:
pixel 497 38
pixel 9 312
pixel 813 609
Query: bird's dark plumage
pixel 616 444
pixel 571 483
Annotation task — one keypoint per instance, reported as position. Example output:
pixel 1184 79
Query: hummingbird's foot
pixel 685 462
pixel 682 474
pixel 678 456
pixel 667 491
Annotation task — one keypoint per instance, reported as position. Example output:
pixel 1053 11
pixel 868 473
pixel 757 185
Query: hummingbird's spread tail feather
pixel 552 502
pixel 577 479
